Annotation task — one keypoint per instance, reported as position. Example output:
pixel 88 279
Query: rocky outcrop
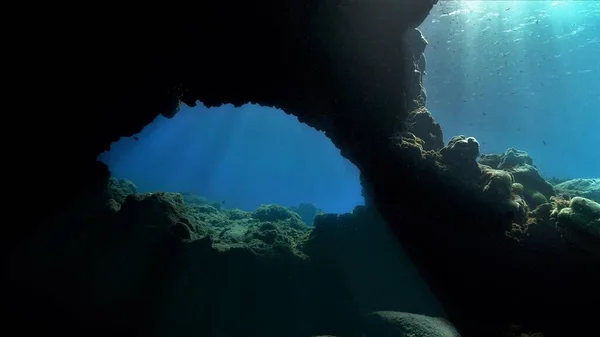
pixel 402 324
pixel 185 268
pixel 533 187
pixel 580 224
pixel 587 188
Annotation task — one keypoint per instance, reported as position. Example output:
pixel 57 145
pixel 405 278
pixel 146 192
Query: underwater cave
pixel 240 158
pixel 450 240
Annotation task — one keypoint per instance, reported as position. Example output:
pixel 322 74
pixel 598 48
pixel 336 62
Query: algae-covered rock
pixel 403 324
pixel 518 189
pixel 275 237
pixel 237 214
pixel 274 213
pixel 208 215
pixel 422 124
pixel 153 212
pixel 461 149
pixel 490 159
pixel 536 198
pixel 498 190
pixel 119 189
pixel 580 224
pixel 513 157
pixel 533 188
pixel 587 188
pixel 530 178
pixel 191 198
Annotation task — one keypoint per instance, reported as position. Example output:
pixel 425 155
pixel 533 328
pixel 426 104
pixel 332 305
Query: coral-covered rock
pixel 461 149
pixel 403 324
pixel 498 190
pixel 422 125
pixel 580 223
pixel 535 189
pixel 490 159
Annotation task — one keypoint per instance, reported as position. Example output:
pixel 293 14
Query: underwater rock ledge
pixel 184 267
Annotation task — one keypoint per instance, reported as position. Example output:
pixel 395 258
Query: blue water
pixel 511 73
pixel 244 156
pixel 519 73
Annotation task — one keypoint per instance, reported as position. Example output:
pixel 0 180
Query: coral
pixel 518 189
pixel 119 189
pixel 517 232
pixel 559 202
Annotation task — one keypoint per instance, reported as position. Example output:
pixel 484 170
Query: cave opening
pixel 238 158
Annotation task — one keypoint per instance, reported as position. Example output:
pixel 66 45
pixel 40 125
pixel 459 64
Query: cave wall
pixel 106 73
pixel 334 64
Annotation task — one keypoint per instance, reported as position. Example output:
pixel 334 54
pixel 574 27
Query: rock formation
pixel 348 68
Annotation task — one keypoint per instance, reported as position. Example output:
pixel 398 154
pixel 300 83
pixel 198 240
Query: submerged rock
pixel 513 157
pixel 498 190
pixel 403 324
pixel 587 188
pixel 274 213
pixel 533 188
pixel 490 159
pixel 424 126
pixel 119 189
pixel 580 224
pixel 461 149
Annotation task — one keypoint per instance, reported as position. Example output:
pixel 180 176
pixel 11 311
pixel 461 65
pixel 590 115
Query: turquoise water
pixel 522 74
